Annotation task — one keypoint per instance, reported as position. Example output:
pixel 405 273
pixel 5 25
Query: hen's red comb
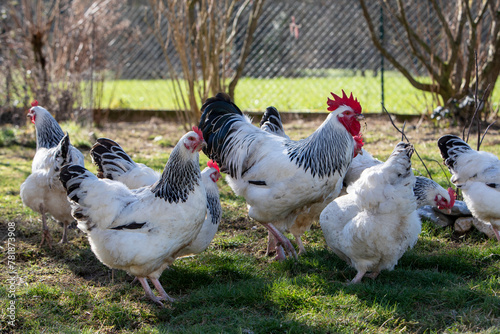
pixel 213 164
pixel 344 100
pixel 198 131
pixel 453 196
pixel 34 103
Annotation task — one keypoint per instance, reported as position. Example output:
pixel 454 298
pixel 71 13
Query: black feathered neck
pixel 324 152
pixel 48 131
pixel 179 178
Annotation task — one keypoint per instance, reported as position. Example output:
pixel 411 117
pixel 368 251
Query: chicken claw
pixel 281 242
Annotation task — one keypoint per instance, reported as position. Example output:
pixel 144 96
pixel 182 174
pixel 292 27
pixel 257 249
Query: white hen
pixel 42 191
pixel 376 222
pixel 426 191
pixel 477 174
pixel 142 231
pixel 114 163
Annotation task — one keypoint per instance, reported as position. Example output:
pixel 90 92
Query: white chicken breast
pixel 376 222
pixel 42 191
pixel 142 231
pixel 477 174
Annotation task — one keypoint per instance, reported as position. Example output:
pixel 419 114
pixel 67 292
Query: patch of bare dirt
pixel 378 133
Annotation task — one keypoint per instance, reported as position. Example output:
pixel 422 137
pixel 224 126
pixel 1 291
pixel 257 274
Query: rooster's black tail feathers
pixel 271 122
pixel 219 114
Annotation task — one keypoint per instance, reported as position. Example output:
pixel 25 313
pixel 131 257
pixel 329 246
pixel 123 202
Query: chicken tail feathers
pixel 62 153
pixel 219 114
pixel 451 147
pixel 71 177
pixel 110 159
pixel 271 122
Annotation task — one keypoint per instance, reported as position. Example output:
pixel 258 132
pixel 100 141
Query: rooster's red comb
pixel 34 103
pixel 213 164
pixel 198 131
pixel 344 100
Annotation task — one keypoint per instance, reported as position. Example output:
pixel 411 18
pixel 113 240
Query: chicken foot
pixel 281 241
pixel 45 229
pixel 358 277
pixel 159 288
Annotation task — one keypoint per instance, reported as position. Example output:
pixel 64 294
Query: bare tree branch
pixel 390 58
pixel 252 26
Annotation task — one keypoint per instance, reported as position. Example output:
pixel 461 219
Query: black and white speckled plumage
pixel 421 189
pixel 222 123
pixel 110 159
pixel 451 147
pixel 321 152
pixel 178 179
pixel 48 131
pixel 214 207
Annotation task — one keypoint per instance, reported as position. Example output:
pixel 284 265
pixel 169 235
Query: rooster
pixel 477 174
pixel 279 178
pixel 144 230
pixel 41 191
pixel 115 164
pixel 376 222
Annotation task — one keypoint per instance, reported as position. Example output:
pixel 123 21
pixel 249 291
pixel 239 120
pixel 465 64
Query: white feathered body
pixel 275 186
pixel 112 161
pixel 376 222
pixel 141 230
pixel 145 251
pixel 477 174
pixel 42 187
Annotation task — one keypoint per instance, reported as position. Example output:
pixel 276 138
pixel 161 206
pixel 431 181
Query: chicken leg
pixel 271 243
pixel 298 240
pixel 496 232
pixel 281 241
pixel 45 229
pixel 160 289
pixel 358 277
pixel 64 238
pixel 149 293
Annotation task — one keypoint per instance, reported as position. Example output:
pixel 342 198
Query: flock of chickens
pixel 140 220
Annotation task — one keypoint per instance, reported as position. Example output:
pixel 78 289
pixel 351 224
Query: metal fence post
pixel 382 57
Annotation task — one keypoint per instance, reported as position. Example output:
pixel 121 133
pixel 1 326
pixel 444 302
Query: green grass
pixel 286 94
pixel 444 284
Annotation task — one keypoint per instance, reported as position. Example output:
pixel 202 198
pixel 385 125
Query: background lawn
pixel 286 94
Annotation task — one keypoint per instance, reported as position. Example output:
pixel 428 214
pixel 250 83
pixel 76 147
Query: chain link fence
pixel 302 51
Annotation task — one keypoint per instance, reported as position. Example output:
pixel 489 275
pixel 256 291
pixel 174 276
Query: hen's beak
pixel 360 117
